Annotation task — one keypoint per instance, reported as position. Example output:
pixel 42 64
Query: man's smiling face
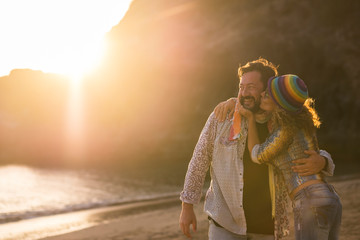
pixel 250 90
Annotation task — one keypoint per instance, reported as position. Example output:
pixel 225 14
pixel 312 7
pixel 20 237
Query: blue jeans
pixel 220 233
pixel 317 213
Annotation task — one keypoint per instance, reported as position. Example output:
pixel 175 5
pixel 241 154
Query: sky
pixel 57 36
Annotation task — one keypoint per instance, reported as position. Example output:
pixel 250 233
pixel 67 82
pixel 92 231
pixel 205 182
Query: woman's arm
pixel 225 110
pixel 253 137
pixel 279 140
pixel 273 145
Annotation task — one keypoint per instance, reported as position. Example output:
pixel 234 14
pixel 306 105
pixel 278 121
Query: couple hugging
pixel 260 159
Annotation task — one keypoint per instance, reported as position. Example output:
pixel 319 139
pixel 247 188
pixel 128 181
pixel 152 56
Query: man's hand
pixel 224 109
pixel 311 165
pixel 187 217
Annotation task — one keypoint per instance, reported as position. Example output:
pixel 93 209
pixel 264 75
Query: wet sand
pixel 159 219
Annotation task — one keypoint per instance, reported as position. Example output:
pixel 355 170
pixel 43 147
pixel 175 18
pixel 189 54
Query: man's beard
pixel 256 106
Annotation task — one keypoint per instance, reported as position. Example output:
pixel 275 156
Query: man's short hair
pixel 261 65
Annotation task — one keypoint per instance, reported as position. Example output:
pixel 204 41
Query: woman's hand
pixel 245 112
pixel 225 110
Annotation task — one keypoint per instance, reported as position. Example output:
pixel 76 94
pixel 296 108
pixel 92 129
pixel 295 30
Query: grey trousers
pixel 219 233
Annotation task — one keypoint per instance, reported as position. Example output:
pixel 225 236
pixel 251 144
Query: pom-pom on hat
pixel 288 91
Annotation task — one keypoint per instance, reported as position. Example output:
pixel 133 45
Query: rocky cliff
pixel 174 60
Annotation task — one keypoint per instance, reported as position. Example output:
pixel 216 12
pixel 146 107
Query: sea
pixel 28 192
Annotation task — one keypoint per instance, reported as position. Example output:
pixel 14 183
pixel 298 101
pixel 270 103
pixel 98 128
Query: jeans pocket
pixel 324 215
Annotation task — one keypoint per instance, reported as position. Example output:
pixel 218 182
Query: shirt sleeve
pixel 199 163
pixel 330 166
pixel 273 146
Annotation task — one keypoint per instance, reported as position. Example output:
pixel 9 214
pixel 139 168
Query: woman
pixel 316 206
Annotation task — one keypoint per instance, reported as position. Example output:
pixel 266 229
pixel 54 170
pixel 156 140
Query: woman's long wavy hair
pixel 307 119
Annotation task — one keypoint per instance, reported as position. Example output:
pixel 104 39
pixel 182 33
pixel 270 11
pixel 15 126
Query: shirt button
pixel 240 189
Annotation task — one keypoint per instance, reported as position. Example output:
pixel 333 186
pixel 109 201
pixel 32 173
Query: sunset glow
pixel 63 37
pixel 58 36
pixel 75 114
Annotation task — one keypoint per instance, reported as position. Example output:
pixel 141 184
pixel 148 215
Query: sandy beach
pixel 152 223
pixel 158 219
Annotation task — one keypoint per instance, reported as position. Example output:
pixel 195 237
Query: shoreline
pixel 97 206
pixel 154 219
pixel 40 227
pixel 160 224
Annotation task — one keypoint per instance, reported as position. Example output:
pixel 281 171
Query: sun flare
pixel 58 36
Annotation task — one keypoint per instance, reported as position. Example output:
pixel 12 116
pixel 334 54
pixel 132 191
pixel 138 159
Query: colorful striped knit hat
pixel 288 91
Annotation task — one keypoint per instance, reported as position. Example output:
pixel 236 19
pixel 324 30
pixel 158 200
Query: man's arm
pixel 315 163
pixel 195 175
